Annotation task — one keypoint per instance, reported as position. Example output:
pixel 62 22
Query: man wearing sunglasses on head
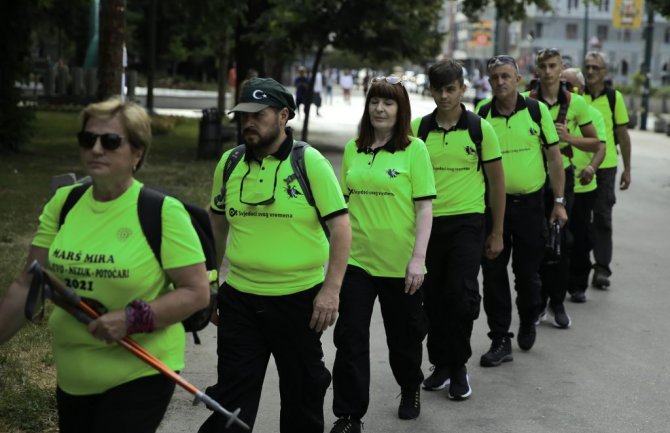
pixel 576 131
pixel 611 105
pixel 275 300
pixel 525 131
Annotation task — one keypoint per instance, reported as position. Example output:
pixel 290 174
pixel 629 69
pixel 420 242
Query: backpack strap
pixel 611 99
pixel 563 108
pixel 424 127
pixel 149 211
pixel 300 172
pixel 535 114
pixel 234 158
pixel 475 131
pixel 72 198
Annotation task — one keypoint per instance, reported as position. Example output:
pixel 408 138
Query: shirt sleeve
pixel 582 112
pixel 50 217
pixel 620 110
pixel 217 203
pixel 180 245
pixel 548 128
pixel 323 182
pixel 599 124
pixel 421 171
pixel 490 144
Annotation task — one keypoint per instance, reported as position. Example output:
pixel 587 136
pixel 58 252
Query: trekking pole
pixel 67 299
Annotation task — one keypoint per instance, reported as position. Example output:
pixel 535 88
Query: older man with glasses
pixel 610 103
pixel 275 300
pixel 525 131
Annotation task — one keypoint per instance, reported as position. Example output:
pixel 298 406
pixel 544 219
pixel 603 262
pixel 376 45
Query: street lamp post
pixel 586 29
pixel 646 67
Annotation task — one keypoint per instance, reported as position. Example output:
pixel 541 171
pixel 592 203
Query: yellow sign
pixel 481 34
pixel 627 14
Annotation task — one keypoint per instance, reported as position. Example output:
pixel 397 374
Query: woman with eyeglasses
pixel 388 181
pixel 100 252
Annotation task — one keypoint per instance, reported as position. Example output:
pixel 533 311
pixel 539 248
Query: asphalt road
pixel 605 374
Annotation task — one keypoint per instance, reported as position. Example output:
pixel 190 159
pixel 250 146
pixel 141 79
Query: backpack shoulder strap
pixel 611 99
pixel 563 109
pixel 476 135
pixel 300 170
pixel 533 106
pixel 423 131
pixel 149 210
pixel 72 198
pixel 233 159
pixel 484 110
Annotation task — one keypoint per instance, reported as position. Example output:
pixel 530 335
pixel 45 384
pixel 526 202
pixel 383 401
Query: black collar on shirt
pixel 594 97
pixel 562 97
pixel 389 147
pixel 520 105
pixel 461 124
pixel 281 154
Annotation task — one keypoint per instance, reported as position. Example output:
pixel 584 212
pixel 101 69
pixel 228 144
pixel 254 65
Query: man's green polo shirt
pixel 612 120
pixel 277 248
pixel 382 185
pixel 521 141
pixel 581 159
pixel 578 115
pixel 460 185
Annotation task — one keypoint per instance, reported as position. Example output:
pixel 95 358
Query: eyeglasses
pixel 265 202
pixel 502 59
pixel 594 67
pixel 109 141
pixel 390 79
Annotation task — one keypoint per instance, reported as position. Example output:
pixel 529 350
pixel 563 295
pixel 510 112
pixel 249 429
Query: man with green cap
pixel 275 299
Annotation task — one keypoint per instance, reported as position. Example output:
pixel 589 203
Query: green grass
pixel 27 374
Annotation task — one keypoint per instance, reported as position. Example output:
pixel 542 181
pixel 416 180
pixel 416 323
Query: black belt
pixel 525 198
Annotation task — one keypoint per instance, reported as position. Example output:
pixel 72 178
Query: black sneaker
pixel 578 297
pixel 459 387
pixel 561 318
pixel 347 425
pixel 600 279
pixel 410 403
pixel 526 336
pixel 438 380
pixel 542 317
pixel 500 351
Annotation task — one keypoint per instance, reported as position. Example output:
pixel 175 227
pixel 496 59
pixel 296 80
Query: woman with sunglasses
pixel 388 180
pixel 101 253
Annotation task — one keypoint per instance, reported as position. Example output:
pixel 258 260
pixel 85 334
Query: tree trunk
pixel 112 37
pixel 223 73
pixel 310 92
pixel 151 72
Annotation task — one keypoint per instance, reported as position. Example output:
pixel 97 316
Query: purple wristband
pixel 139 317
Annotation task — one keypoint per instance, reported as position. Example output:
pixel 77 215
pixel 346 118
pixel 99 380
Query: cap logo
pixel 259 94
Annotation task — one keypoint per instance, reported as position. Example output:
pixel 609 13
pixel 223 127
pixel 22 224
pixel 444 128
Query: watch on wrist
pixel 560 200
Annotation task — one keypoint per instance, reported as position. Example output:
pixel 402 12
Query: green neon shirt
pixel 460 186
pixel 101 252
pixel 521 141
pixel 601 103
pixel 581 159
pixel 382 186
pixel 280 248
pixel 578 115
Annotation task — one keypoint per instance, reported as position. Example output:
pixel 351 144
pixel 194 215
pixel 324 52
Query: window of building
pixel 604 5
pixel 538 30
pixel 573 4
pixel 667 35
pixel 571 31
pixel 601 32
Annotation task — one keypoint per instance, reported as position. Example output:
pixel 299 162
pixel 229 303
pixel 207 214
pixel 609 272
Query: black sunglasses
pixel 548 52
pixel 267 201
pixel 502 59
pixel 390 79
pixel 109 141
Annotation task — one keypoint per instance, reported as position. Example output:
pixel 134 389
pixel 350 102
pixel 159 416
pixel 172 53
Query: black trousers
pixel 405 324
pixel 253 327
pixel 451 288
pixel 580 264
pixel 524 235
pixel 602 219
pixel 555 276
pixel 137 406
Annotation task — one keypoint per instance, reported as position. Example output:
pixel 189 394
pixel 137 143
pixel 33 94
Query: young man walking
pixel 466 158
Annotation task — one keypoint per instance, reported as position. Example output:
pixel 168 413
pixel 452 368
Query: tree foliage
pixel 661 6
pixel 507 10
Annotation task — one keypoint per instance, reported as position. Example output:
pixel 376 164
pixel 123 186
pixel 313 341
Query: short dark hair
pixel 547 53
pixel 402 129
pixel 445 72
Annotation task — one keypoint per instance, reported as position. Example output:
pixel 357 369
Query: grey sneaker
pixel 601 280
pixel 561 318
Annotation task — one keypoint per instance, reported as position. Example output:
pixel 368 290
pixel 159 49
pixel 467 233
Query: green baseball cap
pixel 260 93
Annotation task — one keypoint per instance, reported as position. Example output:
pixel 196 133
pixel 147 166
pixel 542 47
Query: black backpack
pixel 533 106
pixel 149 207
pixel 299 174
pixel 474 130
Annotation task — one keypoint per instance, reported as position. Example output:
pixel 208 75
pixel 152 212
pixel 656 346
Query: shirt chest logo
pixel 392 173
